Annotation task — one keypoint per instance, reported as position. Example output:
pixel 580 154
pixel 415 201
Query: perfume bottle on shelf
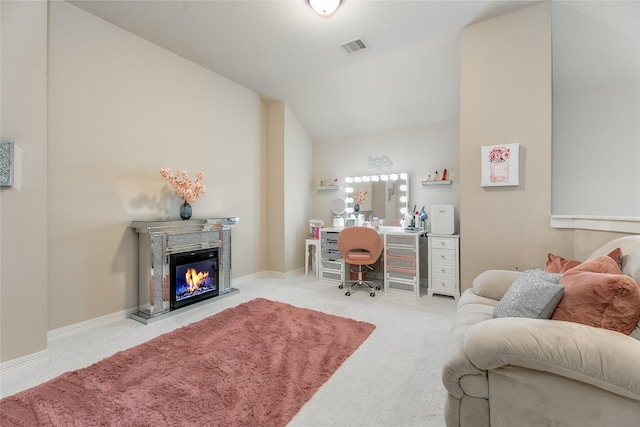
pixel 444 175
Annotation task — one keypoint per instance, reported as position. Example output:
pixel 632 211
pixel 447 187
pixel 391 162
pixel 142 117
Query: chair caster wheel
pixel 340 286
pixel 372 294
pixel 348 293
pixel 377 288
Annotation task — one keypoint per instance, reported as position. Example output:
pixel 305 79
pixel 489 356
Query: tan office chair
pixel 362 247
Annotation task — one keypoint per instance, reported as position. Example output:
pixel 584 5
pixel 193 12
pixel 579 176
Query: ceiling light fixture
pixel 324 8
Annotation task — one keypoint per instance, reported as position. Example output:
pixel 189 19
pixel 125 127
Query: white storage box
pixel 443 219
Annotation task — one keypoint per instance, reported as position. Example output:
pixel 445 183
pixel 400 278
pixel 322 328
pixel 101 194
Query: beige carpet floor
pixel 393 379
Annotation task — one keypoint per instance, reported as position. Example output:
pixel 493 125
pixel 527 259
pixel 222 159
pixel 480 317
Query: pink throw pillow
pixel 558 264
pixel 597 294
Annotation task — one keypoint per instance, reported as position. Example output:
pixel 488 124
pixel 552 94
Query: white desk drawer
pixel 443 269
pixel 443 257
pixel 443 243
pixel 443 283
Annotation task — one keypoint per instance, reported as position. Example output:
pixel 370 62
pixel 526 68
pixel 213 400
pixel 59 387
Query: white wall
pixel 596 108
pixel 120 109
pixel 23 207
pixel 418 151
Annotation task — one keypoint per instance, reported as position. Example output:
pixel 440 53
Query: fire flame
pixel 194 278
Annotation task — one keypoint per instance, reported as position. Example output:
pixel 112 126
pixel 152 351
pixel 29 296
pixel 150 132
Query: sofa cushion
pixel 558 264
pixel 597 294
pixel 494 284
pixel 533 294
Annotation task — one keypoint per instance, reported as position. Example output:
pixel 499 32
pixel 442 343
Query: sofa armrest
pixel 600 357
pixel 494 283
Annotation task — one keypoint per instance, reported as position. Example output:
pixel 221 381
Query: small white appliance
pixel 442 219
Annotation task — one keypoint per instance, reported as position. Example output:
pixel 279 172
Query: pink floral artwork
pixel 500 165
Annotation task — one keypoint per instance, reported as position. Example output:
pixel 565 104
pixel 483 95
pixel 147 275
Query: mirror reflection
pixel 383 196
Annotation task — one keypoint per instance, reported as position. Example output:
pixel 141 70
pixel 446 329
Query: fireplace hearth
pixel 181 263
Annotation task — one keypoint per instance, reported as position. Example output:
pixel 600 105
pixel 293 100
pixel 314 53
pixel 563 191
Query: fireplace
pixel 164 247
pixel 193 277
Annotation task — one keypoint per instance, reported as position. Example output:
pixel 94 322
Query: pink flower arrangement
pixel 499 154
pixel 361 196
pixel 186 188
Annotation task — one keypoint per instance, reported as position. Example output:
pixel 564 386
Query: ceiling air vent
pixel 354 46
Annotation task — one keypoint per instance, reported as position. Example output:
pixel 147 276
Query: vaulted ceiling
pixel 408 75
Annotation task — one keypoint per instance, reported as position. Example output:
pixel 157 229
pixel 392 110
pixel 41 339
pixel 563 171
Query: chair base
pixel 372 287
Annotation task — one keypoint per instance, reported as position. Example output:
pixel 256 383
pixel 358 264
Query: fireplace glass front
pixel 194 276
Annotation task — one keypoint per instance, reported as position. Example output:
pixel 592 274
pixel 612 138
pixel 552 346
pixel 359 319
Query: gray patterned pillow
pixel 533 294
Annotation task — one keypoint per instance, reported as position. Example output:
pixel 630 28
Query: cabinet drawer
pixel 443 283
pixel 442 269
pixel 399 273
pixel 400 252
pixel 407 263
pixel 393 239
pixel 401 286
pixel 442 243
pixel 329 265
pixel 443 256
pixel 332 275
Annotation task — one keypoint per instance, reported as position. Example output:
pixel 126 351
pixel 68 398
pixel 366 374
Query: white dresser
pixel 444 265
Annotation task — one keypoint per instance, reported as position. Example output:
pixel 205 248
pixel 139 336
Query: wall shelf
pixel 328 187
pixel 441 182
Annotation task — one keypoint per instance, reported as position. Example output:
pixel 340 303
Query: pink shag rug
pixel 251 365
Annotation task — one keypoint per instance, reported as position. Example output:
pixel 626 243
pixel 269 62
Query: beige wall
pixel 289 201
pixel 275 182
pixel 298 199
pixel 23 207
pixel 506 98
pixel 120 109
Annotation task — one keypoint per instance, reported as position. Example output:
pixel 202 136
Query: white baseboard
pixel 88 325
pixel 24 362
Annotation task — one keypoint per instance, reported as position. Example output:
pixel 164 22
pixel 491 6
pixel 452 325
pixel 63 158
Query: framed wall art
pixel 6 163
pixel 499 165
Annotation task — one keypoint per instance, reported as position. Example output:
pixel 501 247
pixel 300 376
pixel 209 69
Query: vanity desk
pixel 404 260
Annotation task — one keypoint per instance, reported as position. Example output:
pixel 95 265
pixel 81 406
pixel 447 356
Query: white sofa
pixel 517 372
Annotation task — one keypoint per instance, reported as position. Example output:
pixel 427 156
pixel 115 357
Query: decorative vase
pixel 185 210
pixel 356 207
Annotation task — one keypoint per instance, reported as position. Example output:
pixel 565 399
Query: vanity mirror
pixel 382 196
